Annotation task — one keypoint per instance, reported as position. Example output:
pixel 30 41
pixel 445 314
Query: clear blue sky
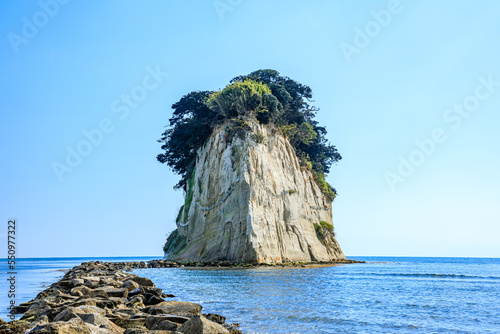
pixel 384 75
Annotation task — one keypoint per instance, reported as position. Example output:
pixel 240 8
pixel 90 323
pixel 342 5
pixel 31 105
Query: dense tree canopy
pixel 262 95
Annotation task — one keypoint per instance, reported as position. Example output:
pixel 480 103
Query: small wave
pixel 443 276
pixel 427 275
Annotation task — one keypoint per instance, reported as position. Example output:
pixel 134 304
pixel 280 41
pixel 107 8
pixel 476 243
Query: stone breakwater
pixel 97 297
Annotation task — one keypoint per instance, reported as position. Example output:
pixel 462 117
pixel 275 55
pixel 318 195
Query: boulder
pixel 41 320
pixel 185 309
pixel 147 331
pixel 129 285
pixel 115 292
pixel 110 281
pixel 99 292
pixel 130 323
pixel 175 318
pixel 165 325
pixel 137 301
pixel 153 322
pixel 152 299
pixel 75 311
pixel 137 291
pixel 76 282
pixel 215 318
pixel 81 290
pixel 143 281
pixel 94 319
pixel 74 326
pixel 198 324
pixel 106 328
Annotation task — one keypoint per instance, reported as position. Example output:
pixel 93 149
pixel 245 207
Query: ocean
pixel 383 295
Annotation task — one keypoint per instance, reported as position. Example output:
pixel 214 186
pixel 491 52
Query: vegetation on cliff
pixel 264 96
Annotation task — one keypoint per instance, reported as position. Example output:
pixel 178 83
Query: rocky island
pixel 252 161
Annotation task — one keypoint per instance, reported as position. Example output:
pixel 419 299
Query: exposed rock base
pixel 250 200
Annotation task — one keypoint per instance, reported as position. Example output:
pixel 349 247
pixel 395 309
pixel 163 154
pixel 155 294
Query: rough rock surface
pixel 111 310
pixel 198 324
pixel 249 200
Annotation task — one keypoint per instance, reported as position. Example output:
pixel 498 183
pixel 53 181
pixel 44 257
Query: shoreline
pixel 228 264
pixel 105 297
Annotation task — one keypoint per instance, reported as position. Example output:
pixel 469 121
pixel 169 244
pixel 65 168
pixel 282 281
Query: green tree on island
pixel 264 96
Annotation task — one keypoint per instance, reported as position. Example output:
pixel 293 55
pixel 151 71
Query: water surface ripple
pixel 385 295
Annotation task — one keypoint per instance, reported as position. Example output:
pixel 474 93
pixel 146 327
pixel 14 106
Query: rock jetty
pixel 97 297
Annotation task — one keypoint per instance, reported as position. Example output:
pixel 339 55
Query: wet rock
pixel 198 324
pixel 157 322
pixel 21 308
pixel 14 327
pixel 165 325
pixel 152 299
pixel 215 318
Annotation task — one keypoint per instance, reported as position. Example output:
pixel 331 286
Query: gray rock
pixel 198 324
pixel 153 321
pixel 110 282
pixel 94 319
pixel 152 299
pixel 184 309
pixel 215 318
pixel 147 331
pixel 81 290
pixel 143 281
pixel 99 292
pixel 165 325
pixel 129 285
pixel 75 311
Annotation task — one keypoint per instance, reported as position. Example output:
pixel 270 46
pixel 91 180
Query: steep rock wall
pixel 249 200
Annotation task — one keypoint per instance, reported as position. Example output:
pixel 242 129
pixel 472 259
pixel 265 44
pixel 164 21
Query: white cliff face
pixel 253 202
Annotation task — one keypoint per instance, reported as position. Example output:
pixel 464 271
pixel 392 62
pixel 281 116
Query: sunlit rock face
pixel 249 200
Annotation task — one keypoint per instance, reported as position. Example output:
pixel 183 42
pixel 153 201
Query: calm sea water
pixel 385 295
